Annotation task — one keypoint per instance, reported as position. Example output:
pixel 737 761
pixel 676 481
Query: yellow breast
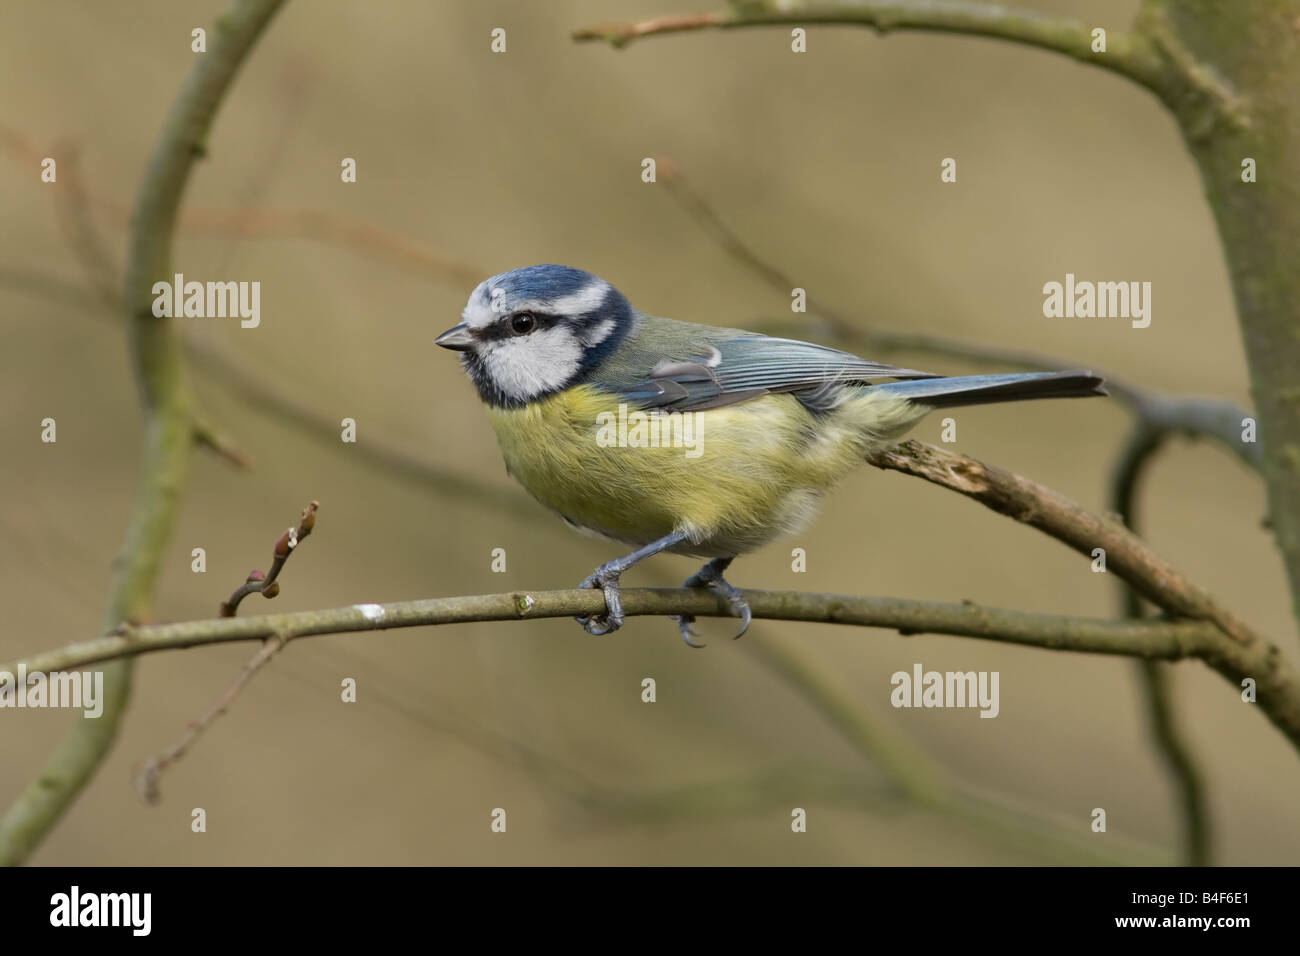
pixel 732 478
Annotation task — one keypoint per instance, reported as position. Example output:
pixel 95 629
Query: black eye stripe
pixel 500 329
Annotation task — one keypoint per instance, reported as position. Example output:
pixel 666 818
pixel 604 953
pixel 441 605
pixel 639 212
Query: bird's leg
pixel 710 576
pixel 606 578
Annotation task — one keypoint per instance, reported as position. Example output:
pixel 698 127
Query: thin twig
pixel 1130 54
pixel 266 584
pixel 1188 780
pixel 88 245
pixel 149 775
pixel 316 225
pixel 207 435
pixel 1145 55
pixel 236 222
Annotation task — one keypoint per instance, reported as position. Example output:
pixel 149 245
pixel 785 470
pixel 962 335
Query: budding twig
pixel 150 772
pixel 265 584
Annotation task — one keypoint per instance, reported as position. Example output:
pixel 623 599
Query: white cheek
pixel 531 365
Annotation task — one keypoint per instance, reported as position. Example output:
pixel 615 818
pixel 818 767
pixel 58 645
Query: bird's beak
pixel 457 338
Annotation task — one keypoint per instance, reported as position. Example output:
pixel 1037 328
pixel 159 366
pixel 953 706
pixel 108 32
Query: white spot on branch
pixel 371 612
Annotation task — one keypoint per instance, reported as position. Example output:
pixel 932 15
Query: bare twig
pixel 315 225
pixel 209 436
pixel 1145 55
pixel 49 287
pixel 266 584
pixel 1054 514
pixel 1187 779
pixel 149 775
pixel 1244 654
pixel 88 245
pixel 1147 639
pixel 1147 438
pixel 1129 54
pixel 238 222
pixel 1154 639
pixel 361 238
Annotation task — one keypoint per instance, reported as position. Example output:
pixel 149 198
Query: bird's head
pixel 531 332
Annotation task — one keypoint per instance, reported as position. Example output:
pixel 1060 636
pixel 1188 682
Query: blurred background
pixel 471 163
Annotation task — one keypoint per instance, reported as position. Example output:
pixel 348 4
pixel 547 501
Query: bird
pixel 672 436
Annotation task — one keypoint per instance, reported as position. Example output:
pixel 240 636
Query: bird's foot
pixel 710 577
pixel 606 578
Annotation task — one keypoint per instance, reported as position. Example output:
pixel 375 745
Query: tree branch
pixel 1054 514
pixel 1155 639
pixel 1243 654
pixel 1146 639
pixel 1132 55
pixel 169 426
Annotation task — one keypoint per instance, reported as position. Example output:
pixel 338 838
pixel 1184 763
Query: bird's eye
pixel 521 323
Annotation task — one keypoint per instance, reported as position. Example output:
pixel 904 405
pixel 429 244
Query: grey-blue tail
pixel 986 389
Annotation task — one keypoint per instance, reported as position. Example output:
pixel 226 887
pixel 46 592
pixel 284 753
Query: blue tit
pixel 692 439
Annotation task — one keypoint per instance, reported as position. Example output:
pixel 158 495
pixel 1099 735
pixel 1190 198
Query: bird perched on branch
pixel 693 439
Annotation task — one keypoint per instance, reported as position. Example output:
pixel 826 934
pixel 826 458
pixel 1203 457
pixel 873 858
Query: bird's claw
pixel 710 577
pixel 740 608
pixel 606 578
pixel 684 622
pixel 599 625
